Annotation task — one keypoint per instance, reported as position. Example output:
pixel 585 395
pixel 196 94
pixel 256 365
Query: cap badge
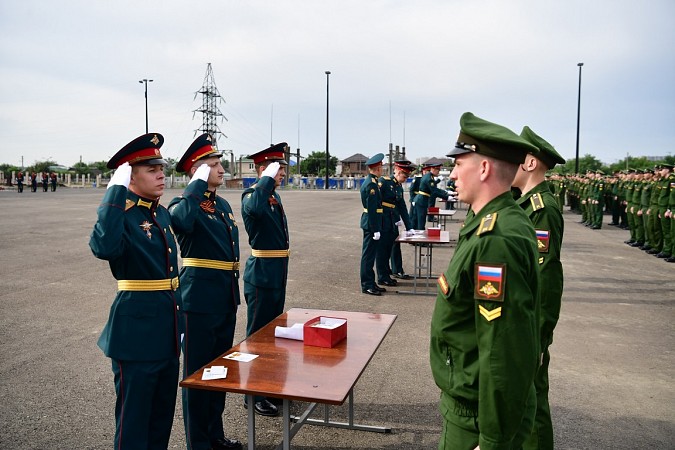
pixel 155 140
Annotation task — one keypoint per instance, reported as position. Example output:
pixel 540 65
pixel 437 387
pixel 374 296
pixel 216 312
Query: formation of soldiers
pixel 47 179
pixel 639 200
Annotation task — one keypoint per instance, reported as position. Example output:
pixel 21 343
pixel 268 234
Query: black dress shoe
pixel 628 242
pixel 265 408
pixel 402 276
pixel 388 282
pixel 653 251
pixel 645 247
pixel 226 444
pixel 372 292
pixel 380 289
pixel 637 244
pixel 595 227
pixel 671 259
pixel 663 255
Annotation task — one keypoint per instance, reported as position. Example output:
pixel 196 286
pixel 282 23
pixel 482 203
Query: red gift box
pixel 325 331
pixel 433 231
pixel 433 210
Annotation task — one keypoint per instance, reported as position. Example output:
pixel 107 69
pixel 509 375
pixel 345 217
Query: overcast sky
pixel 401 72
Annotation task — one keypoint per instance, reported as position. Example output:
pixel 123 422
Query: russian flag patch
pixel 489 281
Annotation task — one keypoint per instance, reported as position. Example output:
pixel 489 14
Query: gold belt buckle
pixel 174 283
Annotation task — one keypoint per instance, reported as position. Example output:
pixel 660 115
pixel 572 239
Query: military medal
pixel 146 226
pixel 273 201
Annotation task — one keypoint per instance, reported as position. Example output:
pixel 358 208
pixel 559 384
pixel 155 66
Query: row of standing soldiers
pixel 639 200
pixel 46 180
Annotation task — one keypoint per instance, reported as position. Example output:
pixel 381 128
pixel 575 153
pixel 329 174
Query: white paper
pixel 214 373
pixel 329 323
pixel 296 331
pixel 241 357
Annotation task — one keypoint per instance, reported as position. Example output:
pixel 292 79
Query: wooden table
pixel 424 247
pixel 290 370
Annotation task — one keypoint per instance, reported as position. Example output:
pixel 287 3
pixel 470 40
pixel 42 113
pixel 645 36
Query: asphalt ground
pixel 612 365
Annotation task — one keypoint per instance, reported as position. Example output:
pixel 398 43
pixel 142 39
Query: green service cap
pixel 489 139
pixel 547 153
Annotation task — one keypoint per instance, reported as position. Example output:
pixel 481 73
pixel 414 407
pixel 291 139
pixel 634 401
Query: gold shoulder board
pixel 537 202
pixel 487 223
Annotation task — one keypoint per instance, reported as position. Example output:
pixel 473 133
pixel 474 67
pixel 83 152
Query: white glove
pixel 399 223
pixel 376 236
pixel 409 233
pixel 202 173
pixel 271 170
pixel 451 198
pixel 121 177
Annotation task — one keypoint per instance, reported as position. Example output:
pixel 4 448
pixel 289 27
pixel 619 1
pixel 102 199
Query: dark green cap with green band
pixel 489 139
pixel 547 153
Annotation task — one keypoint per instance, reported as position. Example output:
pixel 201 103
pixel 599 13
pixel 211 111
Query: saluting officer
pixel 371 224
pixel 133 233
pixel 402 169
pixel 543 210
pixel 484 329
pixel 267 268
pixel 209 243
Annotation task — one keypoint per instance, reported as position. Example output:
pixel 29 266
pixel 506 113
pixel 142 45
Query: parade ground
pixel 612 360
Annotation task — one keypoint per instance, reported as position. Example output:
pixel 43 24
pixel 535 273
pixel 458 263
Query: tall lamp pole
pixel 327 154
pixel 576 162
pixel 146 81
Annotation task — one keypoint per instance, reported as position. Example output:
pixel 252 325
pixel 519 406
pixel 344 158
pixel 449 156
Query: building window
pixel 250 166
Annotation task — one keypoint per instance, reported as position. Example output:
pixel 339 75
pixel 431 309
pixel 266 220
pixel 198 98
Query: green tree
pixel 315 164
pixel 41 166
pixel 586 163
pixel 81 168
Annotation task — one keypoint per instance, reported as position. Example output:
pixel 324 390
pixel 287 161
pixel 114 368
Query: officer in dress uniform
pixel 543 210
pixel 209 245
pixel 133 233
pixel 426 191
pixel 52 179
pixel 45 181
pixel 19 182
pixel 389 232
pixel 402 169
pixel 484 343
pixel 267 268
pixel 371 224
pixel 33 182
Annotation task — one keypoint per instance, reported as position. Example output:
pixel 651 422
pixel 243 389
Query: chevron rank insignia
pixel 537 202
pixel 543 239
pixel 487 223
pixel 489 282
pixel 490 315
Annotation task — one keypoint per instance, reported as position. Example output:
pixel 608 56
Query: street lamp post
pixel 146 81
pixel 327 154
pixel 576 162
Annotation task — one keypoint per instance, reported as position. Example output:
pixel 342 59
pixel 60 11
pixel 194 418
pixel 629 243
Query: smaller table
pixel 424 246
pixel 441 217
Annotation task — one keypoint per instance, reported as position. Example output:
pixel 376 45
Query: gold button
pixel 171 269
pixel 170 251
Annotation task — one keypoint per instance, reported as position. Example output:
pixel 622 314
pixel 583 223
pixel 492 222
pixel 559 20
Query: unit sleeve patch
pixel 543 240
pixel 489 282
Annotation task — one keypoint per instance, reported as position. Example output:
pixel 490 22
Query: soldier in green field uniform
pixel 402 169
pixel 653 222
pixel 644 211
pixel 597 195
pixel 371 224
pixel 484 346
pixel 267 268
pixel 542 209
pixel 670 213
pixel 133 233
pixel 209 245
pixel 629 186
pixel 664 222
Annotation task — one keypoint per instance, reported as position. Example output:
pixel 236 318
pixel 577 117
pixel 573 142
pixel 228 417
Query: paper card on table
pixel 241 357
pixel 214 373
pixel 295 331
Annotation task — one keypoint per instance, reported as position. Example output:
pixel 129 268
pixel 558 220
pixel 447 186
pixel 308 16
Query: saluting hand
pixel 202 173
pixel 121 177
pixel 271 170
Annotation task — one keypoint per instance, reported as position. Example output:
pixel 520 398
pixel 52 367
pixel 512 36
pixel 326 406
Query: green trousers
pixel 541 437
